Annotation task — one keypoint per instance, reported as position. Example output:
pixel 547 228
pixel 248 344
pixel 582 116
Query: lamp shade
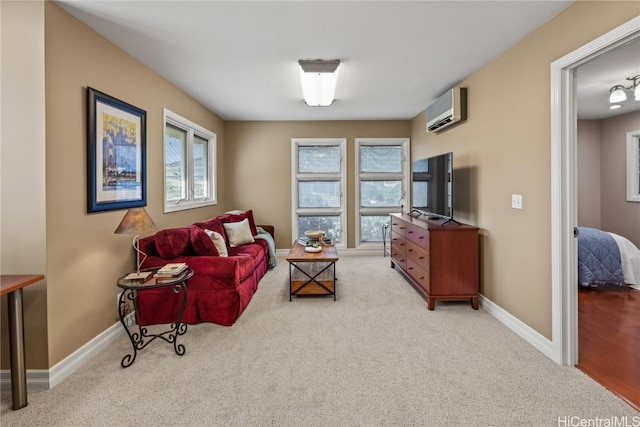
pixel 617 95
pixel 319 79
pixel 136 221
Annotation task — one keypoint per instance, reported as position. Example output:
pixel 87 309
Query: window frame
pixel 633 166
pixel 296 177
pixel 192 129
pixel 402 176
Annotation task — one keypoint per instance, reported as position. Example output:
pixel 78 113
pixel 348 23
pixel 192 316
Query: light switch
pixel 516 201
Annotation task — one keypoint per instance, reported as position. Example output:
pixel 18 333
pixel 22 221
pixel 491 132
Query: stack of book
pixel 305 241
pixel 171 272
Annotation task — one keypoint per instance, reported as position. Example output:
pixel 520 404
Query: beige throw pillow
pixel 239 233
pixel 218 241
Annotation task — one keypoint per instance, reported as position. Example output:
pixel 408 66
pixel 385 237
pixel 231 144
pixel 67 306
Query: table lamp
pixel 137 221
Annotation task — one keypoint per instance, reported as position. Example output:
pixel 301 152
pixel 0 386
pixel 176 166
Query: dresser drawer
pixel 398 226
pixel 398 258
pixel 418 235
pixel 419 274
pixel 398 249
pixel 399 241
pixel 416 253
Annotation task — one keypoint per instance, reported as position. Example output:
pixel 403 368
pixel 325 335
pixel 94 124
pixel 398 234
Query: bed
pixel 607 259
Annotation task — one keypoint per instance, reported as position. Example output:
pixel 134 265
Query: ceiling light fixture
pixel 319 78
pixel 618 93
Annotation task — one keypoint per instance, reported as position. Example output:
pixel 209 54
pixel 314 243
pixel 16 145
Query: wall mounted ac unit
pixel 449 109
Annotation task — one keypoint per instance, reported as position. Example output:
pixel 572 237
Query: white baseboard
pixel 524 331
pixel 44 379
pixel 37 379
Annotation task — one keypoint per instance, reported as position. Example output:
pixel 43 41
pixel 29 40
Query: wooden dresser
pixel 441 260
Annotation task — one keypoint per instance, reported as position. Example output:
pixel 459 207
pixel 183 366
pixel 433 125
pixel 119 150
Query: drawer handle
pixel 410 268
pixel 421 257
pixel 421 237
pixel 410 250
pixel 401 228
pixel 410 231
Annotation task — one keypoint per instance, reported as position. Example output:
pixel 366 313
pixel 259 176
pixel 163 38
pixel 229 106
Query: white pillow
pixel 239 233
pixel 218 241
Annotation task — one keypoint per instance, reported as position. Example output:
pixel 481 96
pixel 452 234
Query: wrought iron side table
pixel 141 336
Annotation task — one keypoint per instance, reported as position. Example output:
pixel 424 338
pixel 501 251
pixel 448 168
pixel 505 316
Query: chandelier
pixel 619 94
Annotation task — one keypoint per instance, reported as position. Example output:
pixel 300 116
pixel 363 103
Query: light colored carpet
pixel 374 357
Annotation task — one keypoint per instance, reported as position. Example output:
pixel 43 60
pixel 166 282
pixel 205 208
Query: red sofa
pixel 221 286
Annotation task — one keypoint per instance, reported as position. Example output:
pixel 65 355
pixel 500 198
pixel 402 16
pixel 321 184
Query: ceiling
pixel 239 58
pixel 598 76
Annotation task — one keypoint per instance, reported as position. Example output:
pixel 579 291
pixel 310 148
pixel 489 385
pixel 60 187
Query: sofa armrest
pixel 269 229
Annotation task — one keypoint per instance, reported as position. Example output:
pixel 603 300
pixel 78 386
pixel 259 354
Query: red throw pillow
pixel 201 242
pixel 239 217
pixel 173 242
pixel 213 224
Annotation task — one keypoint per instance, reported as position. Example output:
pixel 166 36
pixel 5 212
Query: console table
pixel 12 286
pixel 439 259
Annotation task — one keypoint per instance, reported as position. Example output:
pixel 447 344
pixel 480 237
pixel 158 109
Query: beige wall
pixel 588 151
pixel 618 215
pixel 504 148
pixel 22 168
pixel 259 165
pixel 602 186
pixel 84 256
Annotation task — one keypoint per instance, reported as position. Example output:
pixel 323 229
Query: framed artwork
pixel 116 153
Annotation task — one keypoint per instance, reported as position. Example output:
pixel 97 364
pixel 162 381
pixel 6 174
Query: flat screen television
pixel 431 193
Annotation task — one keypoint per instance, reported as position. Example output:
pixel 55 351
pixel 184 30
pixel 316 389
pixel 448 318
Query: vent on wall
pixel 449 109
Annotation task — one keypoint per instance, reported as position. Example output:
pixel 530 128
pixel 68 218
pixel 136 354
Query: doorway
pixel 563 191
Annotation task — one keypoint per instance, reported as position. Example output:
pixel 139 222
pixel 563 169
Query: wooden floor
pixel 609 340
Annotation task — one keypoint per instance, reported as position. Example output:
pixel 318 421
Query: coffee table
pixel 312 274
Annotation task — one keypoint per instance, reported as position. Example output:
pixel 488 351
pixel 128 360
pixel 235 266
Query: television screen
pixel 431 187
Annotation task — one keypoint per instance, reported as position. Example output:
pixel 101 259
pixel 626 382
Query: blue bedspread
pixel 599 261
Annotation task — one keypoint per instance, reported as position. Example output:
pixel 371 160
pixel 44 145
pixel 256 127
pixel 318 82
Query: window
pixel 633 166
pixel 189 164
pixel 318 185
pixel 382 168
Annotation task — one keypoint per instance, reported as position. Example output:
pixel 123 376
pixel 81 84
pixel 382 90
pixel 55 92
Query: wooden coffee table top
pixel 297 253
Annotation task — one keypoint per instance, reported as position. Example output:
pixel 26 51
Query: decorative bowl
pixel 312 249
pixel 314 234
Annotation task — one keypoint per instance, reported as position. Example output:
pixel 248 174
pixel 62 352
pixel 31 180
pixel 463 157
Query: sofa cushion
pixel 255 251
pixel 174 242
pixel 237 217
pixel 238 233
pixel 218 241
pixel 201 243
pixel 213 224
pixel 148 245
